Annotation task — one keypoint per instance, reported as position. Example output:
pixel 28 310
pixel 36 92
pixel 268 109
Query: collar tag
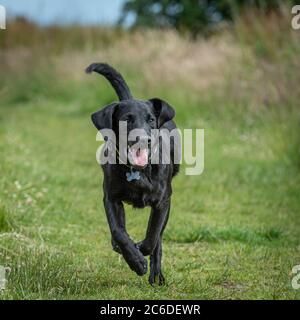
pixel 132 175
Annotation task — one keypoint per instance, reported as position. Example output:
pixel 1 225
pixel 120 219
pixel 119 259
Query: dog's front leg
pixel 130 252
pixel 155 265
pixel 155 258
pixel 153 242
pixel 120 217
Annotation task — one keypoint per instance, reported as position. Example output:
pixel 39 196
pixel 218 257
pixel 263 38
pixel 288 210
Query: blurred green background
pixel 230 67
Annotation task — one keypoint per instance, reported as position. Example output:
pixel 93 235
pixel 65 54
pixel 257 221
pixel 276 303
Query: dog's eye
pixel 151 120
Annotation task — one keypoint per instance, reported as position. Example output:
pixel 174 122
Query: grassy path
pixel 233 231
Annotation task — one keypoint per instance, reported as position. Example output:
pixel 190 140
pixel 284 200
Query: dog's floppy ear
pixel 164 112
pixel 103 119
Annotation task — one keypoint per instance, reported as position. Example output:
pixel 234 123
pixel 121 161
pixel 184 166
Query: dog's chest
pixel 140 194
pixel 143 192
pixel 150 189
pixel 139 199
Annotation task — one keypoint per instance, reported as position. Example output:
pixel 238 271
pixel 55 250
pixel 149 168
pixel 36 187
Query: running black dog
pixel 139 183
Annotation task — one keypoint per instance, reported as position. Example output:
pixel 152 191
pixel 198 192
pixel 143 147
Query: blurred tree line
pixel 194 16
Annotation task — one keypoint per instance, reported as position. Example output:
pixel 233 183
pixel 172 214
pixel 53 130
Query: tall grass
pixel 270 78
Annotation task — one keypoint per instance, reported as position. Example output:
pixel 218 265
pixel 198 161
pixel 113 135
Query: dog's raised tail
pixel 114 77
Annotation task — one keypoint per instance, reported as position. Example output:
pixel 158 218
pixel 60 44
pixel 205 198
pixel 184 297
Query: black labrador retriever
pixel 150 184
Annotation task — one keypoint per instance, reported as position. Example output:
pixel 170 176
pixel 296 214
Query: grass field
pixel 233 232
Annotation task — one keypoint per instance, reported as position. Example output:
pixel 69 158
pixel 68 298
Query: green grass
pixel 4 220
pixel 233 231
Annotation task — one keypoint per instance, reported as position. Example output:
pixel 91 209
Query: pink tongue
pixel 141 158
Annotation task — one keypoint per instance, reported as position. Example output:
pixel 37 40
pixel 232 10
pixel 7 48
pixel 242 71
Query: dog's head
pixel 141 117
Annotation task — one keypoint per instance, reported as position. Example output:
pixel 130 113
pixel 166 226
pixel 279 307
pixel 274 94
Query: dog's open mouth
pixel 138 157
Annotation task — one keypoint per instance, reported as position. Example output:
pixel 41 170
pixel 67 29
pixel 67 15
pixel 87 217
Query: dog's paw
pixel 136 262
pixel 156 277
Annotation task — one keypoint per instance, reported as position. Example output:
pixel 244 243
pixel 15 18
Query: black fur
pixel 154 187
pixel 114 77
